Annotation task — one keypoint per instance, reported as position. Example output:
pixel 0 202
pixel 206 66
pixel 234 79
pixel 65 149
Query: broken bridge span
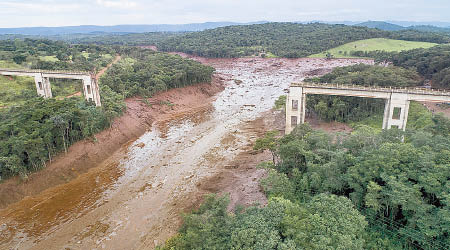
pixel 42 81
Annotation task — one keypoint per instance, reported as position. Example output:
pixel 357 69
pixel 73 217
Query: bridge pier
pixel 295 108
pixel 396 111
pixel 91 90
pixel 43 86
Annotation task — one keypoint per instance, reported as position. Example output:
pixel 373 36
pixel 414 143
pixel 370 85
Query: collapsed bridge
pixel 42 81
pixel 395 111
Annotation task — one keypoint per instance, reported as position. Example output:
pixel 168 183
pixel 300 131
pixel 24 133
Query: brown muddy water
pixel 133 199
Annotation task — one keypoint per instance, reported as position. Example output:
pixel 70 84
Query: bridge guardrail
pixel 374 88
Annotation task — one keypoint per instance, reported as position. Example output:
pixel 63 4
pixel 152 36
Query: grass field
pixel 390 45
pixel 12 89
pixel 9 65
pixel 49 58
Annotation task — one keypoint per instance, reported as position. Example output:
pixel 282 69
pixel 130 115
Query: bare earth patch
pixel 127 188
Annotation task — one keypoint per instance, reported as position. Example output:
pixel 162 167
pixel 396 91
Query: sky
pixel 31 13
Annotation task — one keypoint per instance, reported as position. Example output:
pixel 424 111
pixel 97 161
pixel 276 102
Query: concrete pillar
pixel 43 86
pixel 96 90
pixel 295 108
pixel 303 108
pixel 396 111
pixel 47 87
pixel 90 90
pixel 387 108
pixel 39 81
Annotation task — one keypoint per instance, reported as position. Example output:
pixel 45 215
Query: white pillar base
pixel 295 108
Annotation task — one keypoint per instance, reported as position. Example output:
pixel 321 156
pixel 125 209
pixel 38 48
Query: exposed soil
pixel 154 48
pixel 437 108
pixel 83 155
pixel 133 199
pixel 102 72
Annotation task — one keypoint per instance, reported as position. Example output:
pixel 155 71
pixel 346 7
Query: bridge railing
pixel 47 71
pixel 420 91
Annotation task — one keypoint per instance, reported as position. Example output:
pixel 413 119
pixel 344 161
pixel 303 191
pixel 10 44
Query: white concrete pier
pixel 42 79
pixel 395 112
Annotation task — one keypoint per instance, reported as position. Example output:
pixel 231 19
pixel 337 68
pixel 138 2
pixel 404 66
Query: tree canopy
pixel 282 39
pixel 432 63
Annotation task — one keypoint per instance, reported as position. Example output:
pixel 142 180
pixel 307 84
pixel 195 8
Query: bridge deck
pixel 373 89
pixel 84 73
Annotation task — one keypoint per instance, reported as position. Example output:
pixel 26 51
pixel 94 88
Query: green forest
pixel 151 72
pixel 35 129
pixel 367 190
pixel 282 39
pixel 55 55
pixel 432 63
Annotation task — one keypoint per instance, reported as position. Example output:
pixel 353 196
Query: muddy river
pixel 133 199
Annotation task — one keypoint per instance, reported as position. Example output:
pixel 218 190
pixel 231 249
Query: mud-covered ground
pixel 133 198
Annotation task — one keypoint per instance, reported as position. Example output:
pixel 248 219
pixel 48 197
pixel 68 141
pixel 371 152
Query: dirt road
pixel 102 71
pixel 134 198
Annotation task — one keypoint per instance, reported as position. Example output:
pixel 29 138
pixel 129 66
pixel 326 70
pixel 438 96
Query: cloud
pixel 17 13
pixel 117 4
pixel 37 7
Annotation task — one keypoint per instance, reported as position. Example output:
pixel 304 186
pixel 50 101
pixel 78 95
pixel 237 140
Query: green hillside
pixel 280 39
pixel 381 44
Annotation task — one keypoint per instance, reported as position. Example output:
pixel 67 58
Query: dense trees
pixel 32 133
pixel 132 39
pixel 403 186
pixel 432 63
pixel 148 72
pixel 35 53
pixel 324 222
pixel 345 109
pixel 282 39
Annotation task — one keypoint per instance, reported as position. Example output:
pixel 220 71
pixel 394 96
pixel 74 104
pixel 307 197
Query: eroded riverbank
pixel 133 199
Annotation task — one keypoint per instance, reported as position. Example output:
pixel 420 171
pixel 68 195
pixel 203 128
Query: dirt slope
pixel 88 153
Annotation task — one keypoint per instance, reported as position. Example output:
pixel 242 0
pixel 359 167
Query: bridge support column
pixel 91 90
pixel 43 86
pixel 295 108
pixel 396 111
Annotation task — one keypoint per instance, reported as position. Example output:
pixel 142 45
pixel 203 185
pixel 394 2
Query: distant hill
pixel 84 29
pixel 430 28
pixel 395 27
pixel 409 23
pixel 381 25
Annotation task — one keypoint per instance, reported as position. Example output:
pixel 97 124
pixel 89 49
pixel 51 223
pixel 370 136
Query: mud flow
pixel 133 199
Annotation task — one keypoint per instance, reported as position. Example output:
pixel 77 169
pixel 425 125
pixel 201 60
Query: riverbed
pixel 133 199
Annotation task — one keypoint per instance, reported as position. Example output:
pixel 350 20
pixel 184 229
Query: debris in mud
pixel 188 177
pixel 144 200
